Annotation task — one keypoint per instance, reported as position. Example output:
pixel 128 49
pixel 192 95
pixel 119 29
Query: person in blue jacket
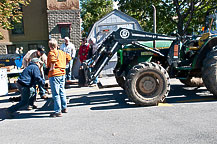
pixel 27 80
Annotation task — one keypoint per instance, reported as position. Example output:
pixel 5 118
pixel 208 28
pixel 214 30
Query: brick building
pixel 43 19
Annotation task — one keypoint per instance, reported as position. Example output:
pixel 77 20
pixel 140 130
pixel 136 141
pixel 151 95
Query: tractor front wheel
pixel 147 84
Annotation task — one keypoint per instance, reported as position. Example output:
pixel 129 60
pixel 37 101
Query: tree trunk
pixel 180 27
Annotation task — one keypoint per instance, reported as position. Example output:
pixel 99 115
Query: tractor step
pixel 181 78
pixel 187 68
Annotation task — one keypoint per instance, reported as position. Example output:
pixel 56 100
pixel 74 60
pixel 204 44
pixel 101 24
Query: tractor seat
pixel 203 39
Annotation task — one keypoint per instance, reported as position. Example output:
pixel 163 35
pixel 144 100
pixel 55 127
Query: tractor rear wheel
pixel 147 84
pixel 209 71
pixel 192 82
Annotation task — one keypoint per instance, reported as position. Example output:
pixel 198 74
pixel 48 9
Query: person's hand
pixel 81 67
pixel 52 67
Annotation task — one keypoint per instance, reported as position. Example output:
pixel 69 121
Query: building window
pixel 64 32
pixel 64 29
pixel 11 49
pixel 32 46
pixel 18 28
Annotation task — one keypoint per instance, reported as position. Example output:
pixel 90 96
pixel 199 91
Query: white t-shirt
pixel 70 49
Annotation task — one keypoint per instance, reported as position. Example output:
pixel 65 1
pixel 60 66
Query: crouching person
pixel 27 80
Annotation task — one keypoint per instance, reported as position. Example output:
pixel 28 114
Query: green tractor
pixel 144 72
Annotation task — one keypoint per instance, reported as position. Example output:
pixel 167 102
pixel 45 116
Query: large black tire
pixel 81 78
pixel 192 82
pixel 147 84
pixel 209 71
pixel 121 81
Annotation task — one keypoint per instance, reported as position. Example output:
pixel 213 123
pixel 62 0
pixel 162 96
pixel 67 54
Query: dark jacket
pixel 90 52
pixel 31 76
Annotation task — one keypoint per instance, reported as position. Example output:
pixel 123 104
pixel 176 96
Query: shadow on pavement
pixel 37 113
pixel 108 99
pixel 4 101
pixel 117 99
pixel 32 115
pixel 2 114
pixel 183 94
pixel 4 98
pixel 112 99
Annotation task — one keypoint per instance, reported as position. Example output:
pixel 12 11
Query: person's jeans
pixel 90 69
pixel 69 70
pixel 42 90
pixel 57 85
pixel 96 79
pixel 27 98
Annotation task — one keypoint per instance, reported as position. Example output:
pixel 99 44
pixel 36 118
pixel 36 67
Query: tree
pixel 11 13
pixel 92 11
pixel 172 15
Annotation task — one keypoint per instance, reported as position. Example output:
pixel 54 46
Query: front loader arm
pixel 111 44
pixel 104 53
pixel 95 65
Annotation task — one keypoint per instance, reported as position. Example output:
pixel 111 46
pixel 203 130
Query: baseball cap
pixel 41 49
pixel 93 40
pixel 66 38
pixel 35 60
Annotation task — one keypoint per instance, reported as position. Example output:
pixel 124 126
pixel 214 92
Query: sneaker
pixel 34 107
pixel 9 114
pixel 56 115
pixel 31 107
pixel 93 85
pixel 64 111
pixel 44 97
pixel 73 78
pixel 68 81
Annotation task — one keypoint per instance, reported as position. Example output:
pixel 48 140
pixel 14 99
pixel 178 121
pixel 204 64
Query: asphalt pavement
pixel 106 116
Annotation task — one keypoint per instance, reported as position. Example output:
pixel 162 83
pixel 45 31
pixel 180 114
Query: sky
pixel 115 5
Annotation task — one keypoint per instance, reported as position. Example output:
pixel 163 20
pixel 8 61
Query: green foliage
pixel 11 13
pixel 172 15
pixel 92 11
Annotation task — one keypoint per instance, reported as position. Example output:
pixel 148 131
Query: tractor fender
pixel 206 48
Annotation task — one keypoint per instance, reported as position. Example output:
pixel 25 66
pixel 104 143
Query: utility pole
pixel 154 24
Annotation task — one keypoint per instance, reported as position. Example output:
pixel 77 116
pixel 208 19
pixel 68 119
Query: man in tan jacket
pixel 39 53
